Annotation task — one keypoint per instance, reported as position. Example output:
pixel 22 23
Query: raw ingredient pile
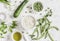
pixel 34 21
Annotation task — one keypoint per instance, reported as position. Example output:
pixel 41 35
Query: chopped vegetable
pixel 43 27
pixel 19 9
pixel 37 6
pixel 3 28
pixel 4 1
pixel 17 36
pixel 12 26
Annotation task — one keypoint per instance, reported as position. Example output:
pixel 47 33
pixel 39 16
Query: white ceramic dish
pixel 28 22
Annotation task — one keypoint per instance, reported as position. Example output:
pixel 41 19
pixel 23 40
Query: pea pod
pixel 19 9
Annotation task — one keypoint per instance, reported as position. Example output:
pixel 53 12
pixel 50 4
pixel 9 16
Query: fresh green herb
pixel 19 9
pixel 3 28
pixel 4 1
pixel 12 26
pixel 43 27
pixel 38 6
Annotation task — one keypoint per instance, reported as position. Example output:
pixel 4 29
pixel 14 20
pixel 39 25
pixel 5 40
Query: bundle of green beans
pixel 43 27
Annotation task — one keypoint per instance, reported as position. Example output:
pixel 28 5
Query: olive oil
pixel 17 36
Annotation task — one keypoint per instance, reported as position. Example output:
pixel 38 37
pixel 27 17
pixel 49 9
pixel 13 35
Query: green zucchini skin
pixel 5 2
pixel 19 9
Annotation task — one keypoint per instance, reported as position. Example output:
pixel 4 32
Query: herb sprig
pixel 3 28
pixel 12 26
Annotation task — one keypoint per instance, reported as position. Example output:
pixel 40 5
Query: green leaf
pixel 12 26
pixel 3 27
pixel 5 32
pixel 31 36
pixel 10 29
pixel 1 37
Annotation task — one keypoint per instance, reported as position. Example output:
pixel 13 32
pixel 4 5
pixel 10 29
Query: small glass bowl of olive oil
pixel 17 36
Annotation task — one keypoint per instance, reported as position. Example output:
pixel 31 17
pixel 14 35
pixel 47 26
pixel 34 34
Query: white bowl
pixel 26 20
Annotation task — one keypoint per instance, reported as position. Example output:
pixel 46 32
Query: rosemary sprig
pixel 3 28
pixel 12 26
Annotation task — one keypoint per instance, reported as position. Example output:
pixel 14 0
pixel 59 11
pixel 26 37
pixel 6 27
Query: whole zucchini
pixel 19 9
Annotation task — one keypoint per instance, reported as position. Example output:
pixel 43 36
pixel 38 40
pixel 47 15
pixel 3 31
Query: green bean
pixel 50 37
pixel 19 9
pixel 53 27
